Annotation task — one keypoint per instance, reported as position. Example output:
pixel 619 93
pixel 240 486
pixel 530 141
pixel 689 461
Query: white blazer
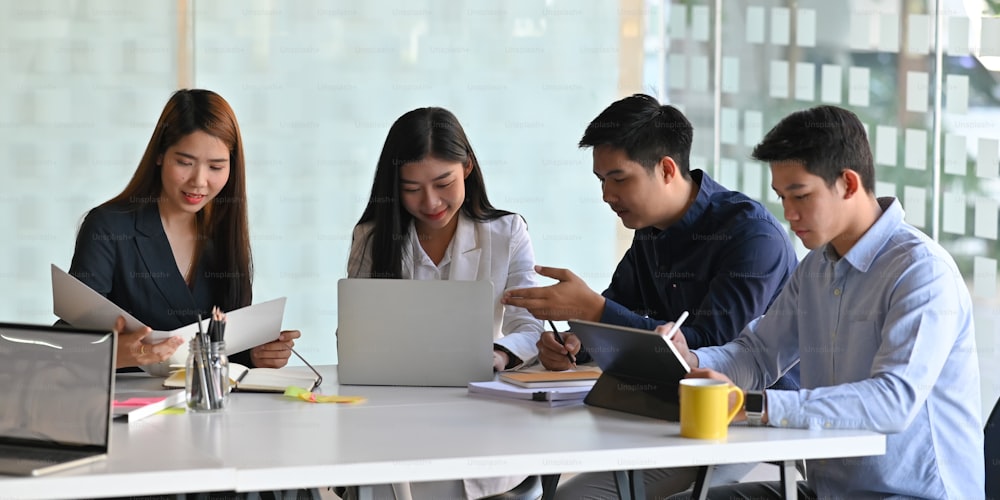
pixel 498 250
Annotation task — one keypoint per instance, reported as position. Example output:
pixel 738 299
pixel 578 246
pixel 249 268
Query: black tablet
pixel 641 369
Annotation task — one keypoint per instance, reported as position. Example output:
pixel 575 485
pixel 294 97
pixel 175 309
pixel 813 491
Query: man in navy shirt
pixel 697 247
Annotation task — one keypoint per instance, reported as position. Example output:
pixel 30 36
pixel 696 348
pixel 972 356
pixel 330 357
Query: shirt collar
pixel 862 255
pixel 464 235
pixel 706 188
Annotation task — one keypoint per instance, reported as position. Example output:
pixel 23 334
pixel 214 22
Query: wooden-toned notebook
pixel 569 378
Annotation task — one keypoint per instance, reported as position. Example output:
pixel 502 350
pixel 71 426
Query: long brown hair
pixel 222 224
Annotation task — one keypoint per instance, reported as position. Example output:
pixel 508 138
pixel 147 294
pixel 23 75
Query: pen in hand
pixel 676 328
pixel 555 333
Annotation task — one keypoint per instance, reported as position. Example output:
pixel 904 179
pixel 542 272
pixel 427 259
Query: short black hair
pixel 826 139
pixel 646 130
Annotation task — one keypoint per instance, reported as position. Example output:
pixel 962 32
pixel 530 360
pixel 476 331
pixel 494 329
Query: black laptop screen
pixel 56 385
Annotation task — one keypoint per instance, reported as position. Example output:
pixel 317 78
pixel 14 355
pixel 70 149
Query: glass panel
pixel 970 123
pixel 876 58
pixel 316 87
pixel 82 87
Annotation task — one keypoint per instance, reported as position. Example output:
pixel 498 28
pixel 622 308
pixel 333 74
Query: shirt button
pixel 784 422
pixel 836 291
pixel 828 425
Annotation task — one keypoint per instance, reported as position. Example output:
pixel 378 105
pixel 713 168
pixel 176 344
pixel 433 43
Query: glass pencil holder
pixel 206 376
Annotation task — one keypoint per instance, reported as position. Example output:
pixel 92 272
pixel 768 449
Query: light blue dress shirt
pixel 885 341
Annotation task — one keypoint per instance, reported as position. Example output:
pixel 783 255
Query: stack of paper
pixel 77 304
pixel 554 396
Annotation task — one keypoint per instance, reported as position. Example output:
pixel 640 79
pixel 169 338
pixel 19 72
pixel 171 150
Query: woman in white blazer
pixel 428 217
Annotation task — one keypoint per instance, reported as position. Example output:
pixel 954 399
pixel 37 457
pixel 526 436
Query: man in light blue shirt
pixel 879 319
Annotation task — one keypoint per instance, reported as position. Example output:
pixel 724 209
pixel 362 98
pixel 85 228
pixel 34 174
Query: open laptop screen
pixel 56 385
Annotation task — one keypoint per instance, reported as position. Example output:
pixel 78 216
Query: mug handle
pixel 739 403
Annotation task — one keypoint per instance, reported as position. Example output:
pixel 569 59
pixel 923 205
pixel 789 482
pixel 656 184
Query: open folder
pixel 245 379
pixel 79 305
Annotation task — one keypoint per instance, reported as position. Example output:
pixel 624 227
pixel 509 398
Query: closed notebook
pixel 571 378
pixel 257 379
pixel 135 405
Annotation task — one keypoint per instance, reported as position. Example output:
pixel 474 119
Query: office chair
pixel 991 450
pixel 529 489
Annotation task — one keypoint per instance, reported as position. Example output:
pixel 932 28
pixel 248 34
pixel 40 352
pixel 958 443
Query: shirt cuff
pixel 513 361
pixel 780 408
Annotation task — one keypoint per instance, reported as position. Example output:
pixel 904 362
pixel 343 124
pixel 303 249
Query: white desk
pixel 267 441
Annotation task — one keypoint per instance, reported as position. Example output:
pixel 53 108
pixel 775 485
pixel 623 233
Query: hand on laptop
pixel 571 298
pixel 552 354
pixel 275 354
pixel 133 352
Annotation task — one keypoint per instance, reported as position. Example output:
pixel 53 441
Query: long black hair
pixel 418 134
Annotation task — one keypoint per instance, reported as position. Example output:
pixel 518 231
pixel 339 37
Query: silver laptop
pixel 56 389
pixel 414 332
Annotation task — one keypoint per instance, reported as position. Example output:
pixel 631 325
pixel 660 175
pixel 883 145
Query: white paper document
pixel 81 306
pixel 554 396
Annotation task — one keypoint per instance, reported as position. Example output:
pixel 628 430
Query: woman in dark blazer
pixel 176 242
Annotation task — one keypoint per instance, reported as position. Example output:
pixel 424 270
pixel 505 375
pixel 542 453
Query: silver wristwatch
pixel 754 403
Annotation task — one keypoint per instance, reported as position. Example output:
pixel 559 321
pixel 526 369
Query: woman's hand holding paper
pixel 133 352
pixel 275 354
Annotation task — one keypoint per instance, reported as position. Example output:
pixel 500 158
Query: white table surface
pixel 268 441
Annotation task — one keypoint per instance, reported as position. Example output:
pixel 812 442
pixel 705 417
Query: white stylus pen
pixel 677 326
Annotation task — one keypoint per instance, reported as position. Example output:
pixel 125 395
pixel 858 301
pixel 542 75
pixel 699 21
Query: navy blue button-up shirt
pixel 724 262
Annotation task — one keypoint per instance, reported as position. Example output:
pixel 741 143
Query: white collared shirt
pixel 423 267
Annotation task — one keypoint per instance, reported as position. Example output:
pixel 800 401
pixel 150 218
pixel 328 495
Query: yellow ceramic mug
pixel 705 411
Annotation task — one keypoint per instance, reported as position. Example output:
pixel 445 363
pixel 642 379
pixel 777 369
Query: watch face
pixel 754 401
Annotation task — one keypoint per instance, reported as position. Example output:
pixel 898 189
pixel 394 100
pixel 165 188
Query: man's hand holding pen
pixel 680 342
pixel 275 354
pixel 555 355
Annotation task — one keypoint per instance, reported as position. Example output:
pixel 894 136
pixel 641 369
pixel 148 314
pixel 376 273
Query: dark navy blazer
pixel 123 254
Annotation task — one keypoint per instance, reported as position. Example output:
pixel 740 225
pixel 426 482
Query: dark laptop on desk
pixel 56 391
pixel 433 333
